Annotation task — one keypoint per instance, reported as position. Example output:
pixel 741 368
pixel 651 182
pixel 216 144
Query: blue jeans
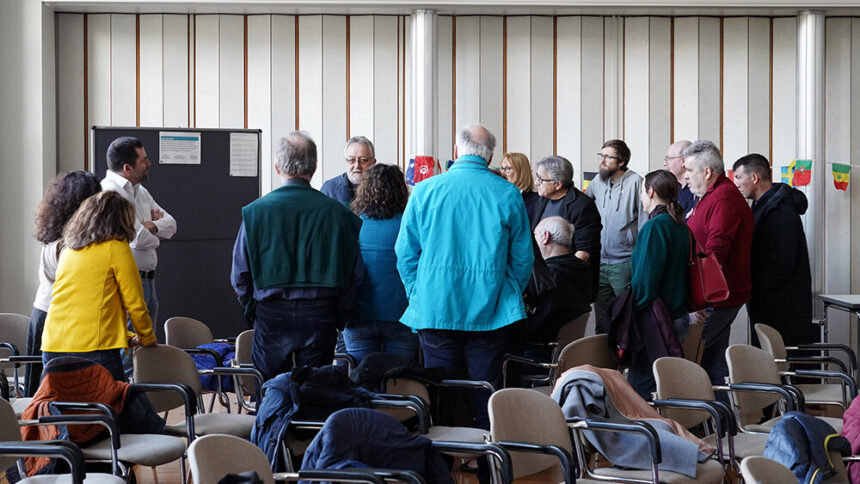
pixel 151 300
pixel 718 328
pixel 33 372
pixel 640 375
pixel 304 330
pixel 365 337
pixel 474 355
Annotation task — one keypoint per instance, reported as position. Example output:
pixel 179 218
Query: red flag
pixel 423 168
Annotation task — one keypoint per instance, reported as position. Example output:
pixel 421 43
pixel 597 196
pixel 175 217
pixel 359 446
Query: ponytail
pixel 676 211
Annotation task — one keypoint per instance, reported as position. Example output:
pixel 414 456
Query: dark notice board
pixel 193 273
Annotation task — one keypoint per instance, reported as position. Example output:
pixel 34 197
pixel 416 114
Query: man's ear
pixel 755 178
pixel 127 168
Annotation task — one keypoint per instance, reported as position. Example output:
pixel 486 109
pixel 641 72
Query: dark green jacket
pixel 660 264
pixel 298 237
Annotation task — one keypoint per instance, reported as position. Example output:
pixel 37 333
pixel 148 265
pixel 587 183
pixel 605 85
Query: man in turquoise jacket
pixel 464 254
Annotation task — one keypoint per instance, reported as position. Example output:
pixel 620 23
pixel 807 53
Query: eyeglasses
pixel 667 158
pixel 360 161
pixel 505 168
pixel 601 156
pixel 540 180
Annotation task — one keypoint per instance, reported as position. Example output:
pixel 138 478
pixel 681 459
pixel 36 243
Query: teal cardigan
pixel 660 264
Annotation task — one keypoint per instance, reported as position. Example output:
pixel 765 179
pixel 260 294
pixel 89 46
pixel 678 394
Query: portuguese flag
pixel 841 174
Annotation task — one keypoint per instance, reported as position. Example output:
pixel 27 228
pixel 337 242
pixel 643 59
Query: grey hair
pixel 360 140
pixel 471 142
pixel 705 153
pixel 558 168
pixel 560 230
pixel 296 154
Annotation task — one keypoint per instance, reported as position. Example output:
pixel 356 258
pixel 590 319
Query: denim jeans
pixel 718 328
pixel 33 372
pixel 474 355
pixel 151 300
pixel 614 279
pixel 304 330
pixel 370 336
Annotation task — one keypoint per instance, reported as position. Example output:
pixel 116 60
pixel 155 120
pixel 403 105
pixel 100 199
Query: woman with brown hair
pixel 97 283
pixel 62 198
pixel 515 167
pixel 380 199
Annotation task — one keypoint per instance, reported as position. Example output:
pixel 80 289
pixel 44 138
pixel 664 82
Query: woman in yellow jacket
pixel 96 286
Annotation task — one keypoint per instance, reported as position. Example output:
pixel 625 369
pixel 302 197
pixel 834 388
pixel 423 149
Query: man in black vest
pixel 295 264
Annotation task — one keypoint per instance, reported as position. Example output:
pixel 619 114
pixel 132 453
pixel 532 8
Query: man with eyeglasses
pixel 616 192
pixel 359 155
pixel 674 162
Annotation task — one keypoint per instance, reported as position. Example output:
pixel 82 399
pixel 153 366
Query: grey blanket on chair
pixel 583 395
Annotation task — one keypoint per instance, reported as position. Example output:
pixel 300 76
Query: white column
pixel 424 89
pixel 810 136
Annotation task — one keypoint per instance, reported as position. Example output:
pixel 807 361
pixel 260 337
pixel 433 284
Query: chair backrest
pixel 572 330
pixel 244 345
pixel 681 378
pixel 183 332
pixel 166 364
pixel 211 457
pixel 524 415
pixel 694 345
pixel 765 471
pixel 9 431
pixel 592 350
pixel 13 329
pixel 405 386
pixel 748 364
pixel 771 341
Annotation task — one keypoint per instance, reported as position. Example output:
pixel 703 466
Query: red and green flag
pixel 802 173
pixel 841 174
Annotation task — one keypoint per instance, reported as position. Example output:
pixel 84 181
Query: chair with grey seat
pixel 13 342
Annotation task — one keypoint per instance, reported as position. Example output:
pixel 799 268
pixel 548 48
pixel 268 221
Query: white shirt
pixel 145 242
pixel 47 273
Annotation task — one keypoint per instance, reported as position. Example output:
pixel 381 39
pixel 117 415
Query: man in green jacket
pixel 295 264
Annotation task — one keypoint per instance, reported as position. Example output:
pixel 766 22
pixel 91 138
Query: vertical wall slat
pixel 569 101
pixel 784 92
pixel 686 79
pixel 386 116
pixel 636 89
pixel 361 76
pixel 123 80
pixel 613 77
pixel 519 85
pixel 231 71
pixel 152 70
pixel 541 88
pixel 709 79
pixel 592 91
pixel 207 70
pixel 175 71
pixel 735 89
pixel 491 76
pixel 444 86
pixel 855 153
pixel 334 96
pixel 311 85
pixel 468 80
pixel 659 92
pixel 260 91
pixel 283 84
pixel 71 131
pixel 759 87
pixel 99 69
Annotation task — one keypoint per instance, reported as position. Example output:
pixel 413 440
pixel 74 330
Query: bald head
pixel 476 140
pixel 674 161
pixel 554 236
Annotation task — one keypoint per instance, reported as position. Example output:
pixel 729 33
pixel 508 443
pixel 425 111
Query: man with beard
pixel 359 155
pixel 616 194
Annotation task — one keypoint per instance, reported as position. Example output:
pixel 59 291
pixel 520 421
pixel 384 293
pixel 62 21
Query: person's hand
pixel 698 317
pixel 150 226
pixel 133 342
pixel 156 214
pixel 582 255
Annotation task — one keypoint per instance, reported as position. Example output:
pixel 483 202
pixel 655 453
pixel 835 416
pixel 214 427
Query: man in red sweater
pixel 722 224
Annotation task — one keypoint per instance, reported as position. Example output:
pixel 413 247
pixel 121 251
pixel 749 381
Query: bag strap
pixel 694 242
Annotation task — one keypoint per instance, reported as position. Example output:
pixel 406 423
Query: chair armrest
pixel 813 360
pixel 827 375
pixel 721 415
pixel 473 384
pixel 852 357
pixel 188 398
pixel 336 475
pixel 495 450
pixel 11 347
pixel 230 339
pixel 564 457
pixel 239 371
pixel 65 450
pixel 419 409
pixel 634 427
pixel 398 475
pixel 219 361
pixel 107 420
pixel 348 358
pixel 529 361
pixel 22 359
pixel 792 396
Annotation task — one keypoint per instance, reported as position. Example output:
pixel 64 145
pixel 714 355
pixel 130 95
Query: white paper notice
pixel 243 154
pixel 179 148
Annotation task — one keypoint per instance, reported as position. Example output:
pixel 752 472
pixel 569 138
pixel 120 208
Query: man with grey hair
pixel 572 295
pixel 722 224
pixel 359 155
pixel 558 197
pixel 464 254
pixel 674 162
pixel 295 264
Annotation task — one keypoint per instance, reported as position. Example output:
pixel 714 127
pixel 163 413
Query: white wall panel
pixel 386 116
pixel 406 119
pixel 444 87
pixel 334 96
pixel 468 70
pixel 569 99
pixel 361 74
pixel 176 82
pixel 519 85
pixel 613 74
pixel 759 87
pixel 231 71
pixel 123 70
pixel 784 92
pixel 659 92
pixel 260 90
pixel 735 89
pixel 71 131
pixel 311 85
pixel 592 91
pixel 151 70
pixel 206 71
pixel 709 79
pixel 855 155
pixel 283 84
pixel 542 121
pixel 686 79
pixel 492 73
pixel 98 70
pixel 636 87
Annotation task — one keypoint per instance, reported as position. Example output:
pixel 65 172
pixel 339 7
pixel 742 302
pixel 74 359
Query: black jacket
pixel 570 298
pixel 581 211
pixel 781 278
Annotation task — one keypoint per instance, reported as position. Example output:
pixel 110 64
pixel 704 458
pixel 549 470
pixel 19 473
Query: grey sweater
pixel 621 214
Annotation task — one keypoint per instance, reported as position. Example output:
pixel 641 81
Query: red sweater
pixel 722 223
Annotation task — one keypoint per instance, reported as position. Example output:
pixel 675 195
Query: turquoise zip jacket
pixel 464 250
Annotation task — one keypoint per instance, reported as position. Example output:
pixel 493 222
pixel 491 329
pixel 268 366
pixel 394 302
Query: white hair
pixel 560 230
pixel 476 140
pixel 705 153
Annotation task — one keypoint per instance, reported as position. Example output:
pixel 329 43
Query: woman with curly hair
pixel 380 200
pixel 97 284
pixel 63 196
pixel 515 167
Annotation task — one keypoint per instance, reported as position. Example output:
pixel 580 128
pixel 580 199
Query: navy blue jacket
pixel 801 442
pixel 340 189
